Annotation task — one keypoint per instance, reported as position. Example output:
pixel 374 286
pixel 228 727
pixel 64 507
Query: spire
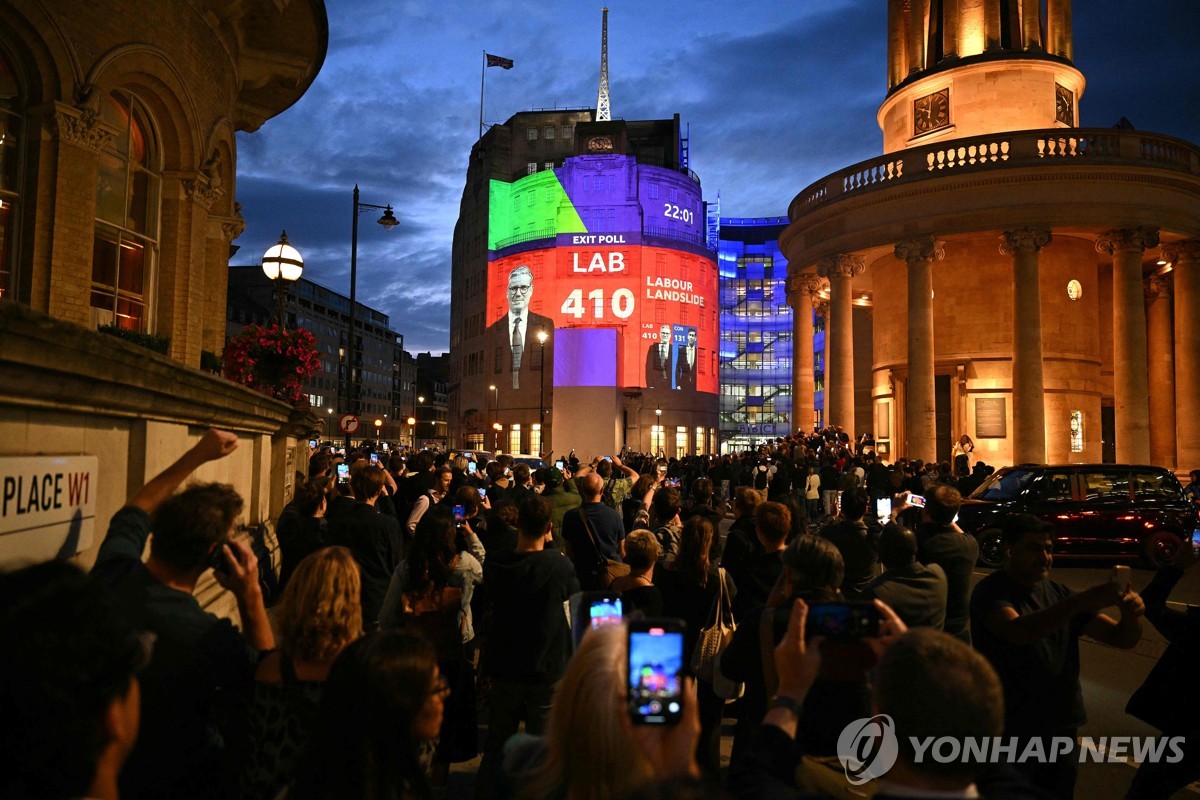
pixel 602 110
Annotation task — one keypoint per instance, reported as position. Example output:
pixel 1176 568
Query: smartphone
pixel 843 621
pixel 375 459
pixel 883 508
pixel 655 665
pixel 343 473
pixel 472 467
pixel 916 501
pixel 560 463
pixel 1122 575
pixel 1196 542
pixel 312 442
pixel 607 458
pixel 216 559
pixel 460 514
pixel 482 494
pixel 594 610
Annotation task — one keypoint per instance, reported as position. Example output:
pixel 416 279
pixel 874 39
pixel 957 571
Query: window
pixel 568 132
pixel 1155 486
pixel 531 133
pixel 514 439
pixel 681 441
pixel 548 164
pixel 656 437
pixel 1106 485
pixel 699 440
pixel 10 139
pixel 125 242
pixel 535 435
pixel 531 168
pixel 548 132
pixel 1052 487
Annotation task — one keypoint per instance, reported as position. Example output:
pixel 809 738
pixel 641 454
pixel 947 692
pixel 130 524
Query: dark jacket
pixel 917 593
pixel 529 641
pixel 859 554
pixel 956 553
pixel 375 541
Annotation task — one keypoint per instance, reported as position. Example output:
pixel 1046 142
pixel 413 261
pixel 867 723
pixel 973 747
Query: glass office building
pixel 756 335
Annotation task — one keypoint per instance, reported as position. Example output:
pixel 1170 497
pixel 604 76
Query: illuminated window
pixel 10 139
pixel 656 437
pixel 531 167
pixel 514 439
pixel 548 164
pixel 535 435
pixel 1076 431
pixel 681 441
pixel 699 440
pixel 125 242
pixel 548 132
pixel 531 133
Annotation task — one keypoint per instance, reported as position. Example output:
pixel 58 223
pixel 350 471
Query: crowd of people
pixel 420 597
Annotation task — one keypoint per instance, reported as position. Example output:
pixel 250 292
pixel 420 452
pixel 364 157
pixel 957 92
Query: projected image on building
pixel 602 242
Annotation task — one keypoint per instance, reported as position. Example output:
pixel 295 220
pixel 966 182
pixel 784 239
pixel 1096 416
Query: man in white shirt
pixel 685 367
pixel 513 339
pixel 658 360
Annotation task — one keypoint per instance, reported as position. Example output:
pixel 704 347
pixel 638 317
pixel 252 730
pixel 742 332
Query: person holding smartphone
pixel 1028 627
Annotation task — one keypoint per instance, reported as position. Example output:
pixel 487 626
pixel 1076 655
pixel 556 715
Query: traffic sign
pixel 348 423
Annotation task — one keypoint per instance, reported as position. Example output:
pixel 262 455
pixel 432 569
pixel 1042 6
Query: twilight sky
pixel 778 93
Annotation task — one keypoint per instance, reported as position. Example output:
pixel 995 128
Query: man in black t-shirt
pixel 196 655
pixel 373 538
pixel 1028 627
pixel 530 639
pixel 607 533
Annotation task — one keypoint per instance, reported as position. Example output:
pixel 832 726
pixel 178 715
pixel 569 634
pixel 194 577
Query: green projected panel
pixel 534 207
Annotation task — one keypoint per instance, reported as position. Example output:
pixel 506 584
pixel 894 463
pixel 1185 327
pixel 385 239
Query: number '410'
pixel 621 304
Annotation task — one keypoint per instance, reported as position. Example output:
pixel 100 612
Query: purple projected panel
pixel 585 357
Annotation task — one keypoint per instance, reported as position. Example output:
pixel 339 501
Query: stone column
pixel 839 340
pixel 1160 358
pixel 803 293
pixel 1185 267
pixel 920 407
pixel 1028 385
pixel 1130 382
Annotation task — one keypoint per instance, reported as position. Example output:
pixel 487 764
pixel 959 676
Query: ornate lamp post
pixel 388 221
pixel 283 264
pixel 412 433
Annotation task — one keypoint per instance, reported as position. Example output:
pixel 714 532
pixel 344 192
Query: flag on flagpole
pixel 498 61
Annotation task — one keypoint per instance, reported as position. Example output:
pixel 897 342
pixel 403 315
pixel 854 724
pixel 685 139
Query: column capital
pixel 821 309
pixel 841 266
pixel 81 126
pixel 1187 250
pixel 1126 239
pixel 805 287
pixel 1024 240
pixel 920 248
pixel 1157 285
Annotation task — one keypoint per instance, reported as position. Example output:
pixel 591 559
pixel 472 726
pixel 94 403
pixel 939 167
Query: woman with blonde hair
pixel 591 750
pixel 318 616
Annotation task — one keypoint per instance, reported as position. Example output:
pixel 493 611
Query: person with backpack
pixel 594 534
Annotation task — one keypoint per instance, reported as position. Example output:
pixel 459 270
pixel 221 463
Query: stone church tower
pixel 1027 282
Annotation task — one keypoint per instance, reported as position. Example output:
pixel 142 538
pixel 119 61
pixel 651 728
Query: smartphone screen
pixel 1196 542
pixel 312 442
pixel 472 467
pixel 604 610
pixel 460 513
pixel 560 463
pixel 883 508
pixel 1121 577
pixel 655 664
pixel 842 621
pixel 374 458
pixel 916 500
pixel 343 473
pixel 482 494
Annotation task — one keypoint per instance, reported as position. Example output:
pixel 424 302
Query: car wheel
pixel 1160 549
pixel 991 548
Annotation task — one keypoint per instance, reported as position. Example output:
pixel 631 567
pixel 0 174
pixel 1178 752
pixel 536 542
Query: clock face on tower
pixel 931 112
pixel 1064 105
pixel 600 144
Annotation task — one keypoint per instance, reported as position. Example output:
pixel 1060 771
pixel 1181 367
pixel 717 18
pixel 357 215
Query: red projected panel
pixel 663 303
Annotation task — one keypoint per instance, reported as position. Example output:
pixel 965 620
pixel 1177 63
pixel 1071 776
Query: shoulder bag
pixel 713 640
pixel 606 568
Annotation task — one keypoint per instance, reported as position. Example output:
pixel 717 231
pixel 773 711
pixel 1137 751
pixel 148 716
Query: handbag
pixel 607 569
pixel 713 640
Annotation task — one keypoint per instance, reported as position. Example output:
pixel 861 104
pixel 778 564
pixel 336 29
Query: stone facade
pixel 1045 288
pixel 119 208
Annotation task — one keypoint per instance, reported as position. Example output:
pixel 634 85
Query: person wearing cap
pixel 561 494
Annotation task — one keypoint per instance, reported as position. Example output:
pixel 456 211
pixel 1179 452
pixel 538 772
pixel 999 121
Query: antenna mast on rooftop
pixel 602 111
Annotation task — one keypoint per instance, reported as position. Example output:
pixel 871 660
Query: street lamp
pixel 283 264
pixel 378 429
pixel 497 427
pixel 542 336
pixel 388 221
pixel 412 432
pixel 657 429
